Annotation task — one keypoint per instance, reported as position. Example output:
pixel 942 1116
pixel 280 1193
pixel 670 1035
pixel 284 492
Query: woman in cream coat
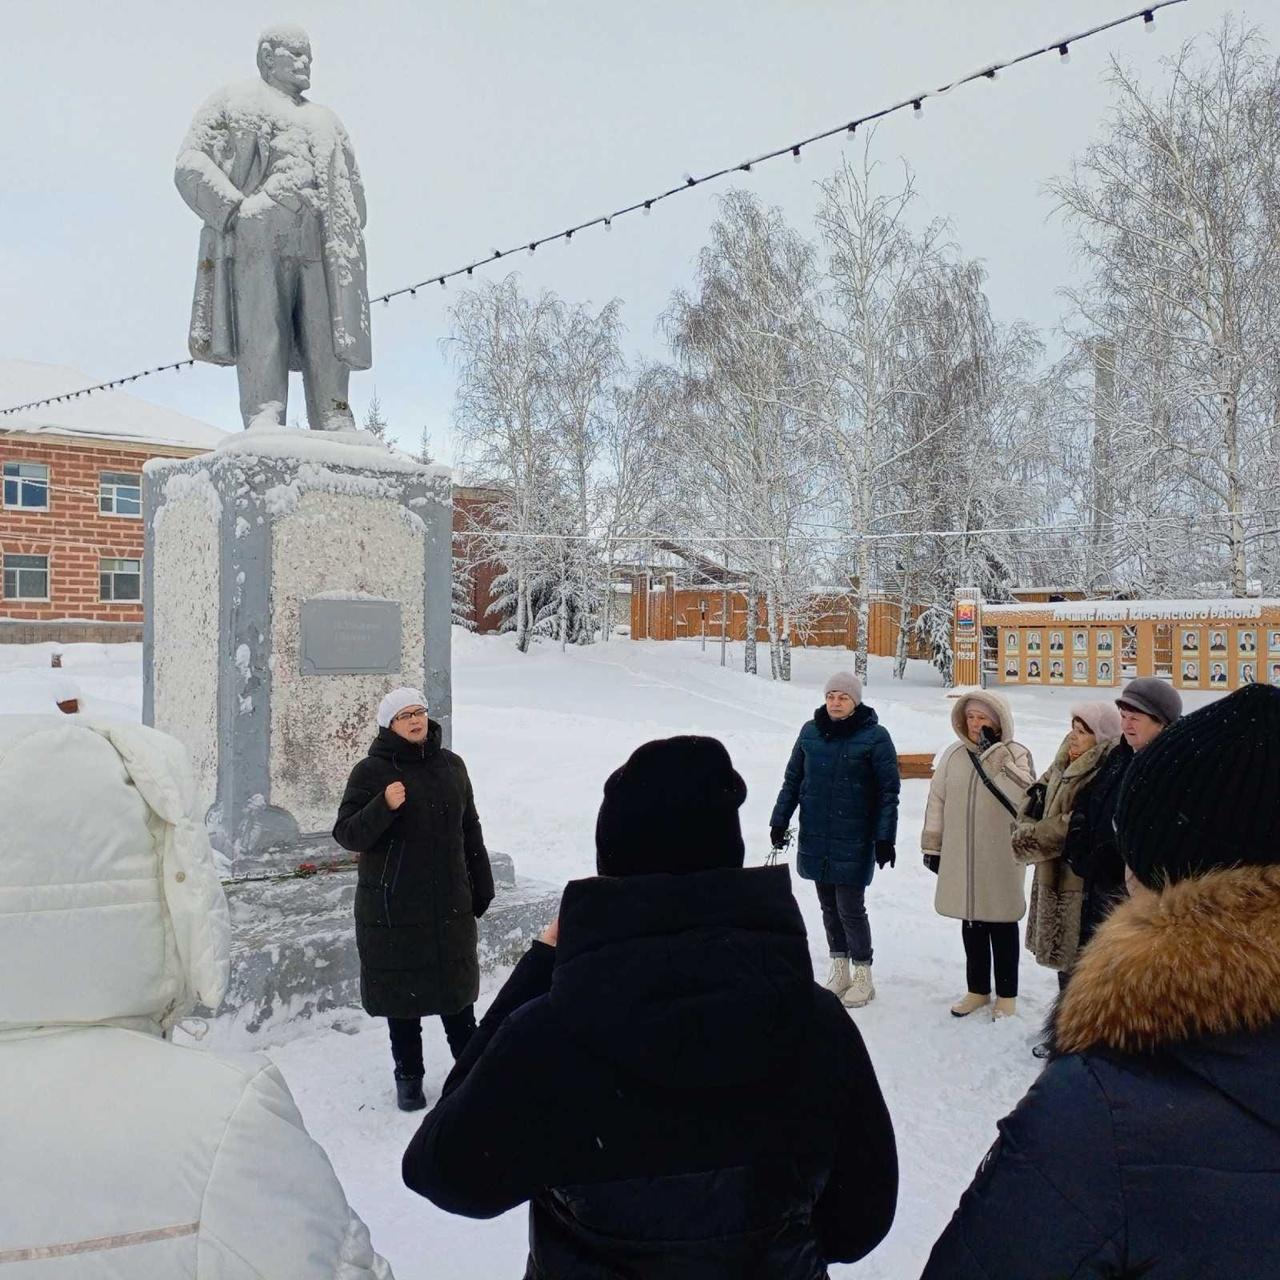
pixel 122 1154
pixel 978 784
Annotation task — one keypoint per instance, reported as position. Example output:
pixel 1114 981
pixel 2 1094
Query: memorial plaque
pixel 350 637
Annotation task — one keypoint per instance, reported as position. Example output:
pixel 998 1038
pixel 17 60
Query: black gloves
pixel 778 837
pixel 480 905
pixel 933 861
pixel 886 854
pixel 987 737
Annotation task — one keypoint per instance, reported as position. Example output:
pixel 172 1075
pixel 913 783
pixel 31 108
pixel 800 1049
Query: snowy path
pixel 540 734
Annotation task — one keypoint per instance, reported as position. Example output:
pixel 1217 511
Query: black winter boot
pixel 409 1093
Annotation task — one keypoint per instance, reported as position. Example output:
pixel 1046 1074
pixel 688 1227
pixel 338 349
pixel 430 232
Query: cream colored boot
pixel 970 1004
pixel 1006 1007
pixel 861 989
pixel 838 979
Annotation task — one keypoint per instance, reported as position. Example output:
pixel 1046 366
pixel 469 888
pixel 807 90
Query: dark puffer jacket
pixel 1091 849
pixel 1150 1146
pixel 424 877
pixel 671 1091
pixel 844 776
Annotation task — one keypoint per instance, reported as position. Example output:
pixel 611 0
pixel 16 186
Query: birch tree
pixel 1174 207
pixel 739 340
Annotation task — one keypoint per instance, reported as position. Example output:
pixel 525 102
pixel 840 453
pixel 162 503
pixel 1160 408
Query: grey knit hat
pixel 844 682
pixel 1154 697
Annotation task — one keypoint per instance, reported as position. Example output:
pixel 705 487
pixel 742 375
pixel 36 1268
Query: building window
pixel 119 494
pixel 26 484
pixel 26 577
pixel 120 579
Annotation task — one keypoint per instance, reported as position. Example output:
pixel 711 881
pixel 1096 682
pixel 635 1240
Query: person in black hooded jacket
pixel 423 881
pixel 661 1077
pixel 1150 1145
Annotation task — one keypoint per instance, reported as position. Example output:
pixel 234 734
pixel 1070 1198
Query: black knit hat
pixel 1205 794
pixel 672 807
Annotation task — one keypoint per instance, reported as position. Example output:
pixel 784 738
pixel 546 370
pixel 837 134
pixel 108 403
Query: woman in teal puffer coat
pixel 843 774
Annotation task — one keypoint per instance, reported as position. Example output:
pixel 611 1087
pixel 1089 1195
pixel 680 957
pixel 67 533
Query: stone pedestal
pixel 290 579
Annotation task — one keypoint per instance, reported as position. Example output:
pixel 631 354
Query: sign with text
pixel 350 637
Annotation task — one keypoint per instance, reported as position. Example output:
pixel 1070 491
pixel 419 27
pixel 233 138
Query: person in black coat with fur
pixel 661 1078
pixel 1150 1146
pixel 424 880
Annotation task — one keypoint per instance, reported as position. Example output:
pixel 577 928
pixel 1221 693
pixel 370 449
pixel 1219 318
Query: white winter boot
pixel 970 1004
pixel 861 989
pixel 838 979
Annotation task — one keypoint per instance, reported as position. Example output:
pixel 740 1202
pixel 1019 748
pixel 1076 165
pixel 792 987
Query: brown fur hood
pixel 1199 959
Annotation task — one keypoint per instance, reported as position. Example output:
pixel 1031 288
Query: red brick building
pixel 71 507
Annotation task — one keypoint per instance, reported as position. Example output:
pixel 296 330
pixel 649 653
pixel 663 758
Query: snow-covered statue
pixel 280 283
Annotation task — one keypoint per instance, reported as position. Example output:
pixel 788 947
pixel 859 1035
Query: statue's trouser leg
pixel 265 287
pixel 324 376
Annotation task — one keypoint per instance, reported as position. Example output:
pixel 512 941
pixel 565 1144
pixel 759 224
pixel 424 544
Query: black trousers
pixel 406 1038
pixel 844 917
pixel 983 942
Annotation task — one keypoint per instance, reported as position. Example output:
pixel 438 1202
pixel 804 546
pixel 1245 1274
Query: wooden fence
pixel 669 612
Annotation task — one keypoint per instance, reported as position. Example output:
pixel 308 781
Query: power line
pixel 916 101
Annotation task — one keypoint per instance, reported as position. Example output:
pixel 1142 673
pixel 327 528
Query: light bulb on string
pixel 795 154
pixel 851 131
pixel 1064 54
pixel 648 207
pixel 1148 21
pixel 917 108
pixel 444 284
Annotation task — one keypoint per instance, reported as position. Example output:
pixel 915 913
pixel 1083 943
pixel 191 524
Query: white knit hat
pixel 395 702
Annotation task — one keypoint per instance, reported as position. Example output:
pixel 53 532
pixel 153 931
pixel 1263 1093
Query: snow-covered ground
pixel 540 733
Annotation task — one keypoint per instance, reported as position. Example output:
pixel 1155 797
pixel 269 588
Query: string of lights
pixel 644 206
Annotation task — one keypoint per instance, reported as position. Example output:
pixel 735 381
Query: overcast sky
pixel 478 123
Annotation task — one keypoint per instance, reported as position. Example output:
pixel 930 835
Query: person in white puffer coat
pixel 123 1155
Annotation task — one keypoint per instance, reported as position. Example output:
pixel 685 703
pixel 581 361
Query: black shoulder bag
pixel 991 786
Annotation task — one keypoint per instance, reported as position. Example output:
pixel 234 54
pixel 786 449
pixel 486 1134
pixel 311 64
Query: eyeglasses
pixel 420 714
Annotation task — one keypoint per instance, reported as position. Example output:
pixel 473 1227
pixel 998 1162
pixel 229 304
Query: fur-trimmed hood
pixel 1192 971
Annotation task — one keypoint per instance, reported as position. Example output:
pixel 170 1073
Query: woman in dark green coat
pixel 843 774
pixel 424 880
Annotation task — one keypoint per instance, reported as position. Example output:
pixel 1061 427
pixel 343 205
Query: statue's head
pixel 284 58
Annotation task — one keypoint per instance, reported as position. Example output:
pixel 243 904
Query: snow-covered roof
pixel 105 415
